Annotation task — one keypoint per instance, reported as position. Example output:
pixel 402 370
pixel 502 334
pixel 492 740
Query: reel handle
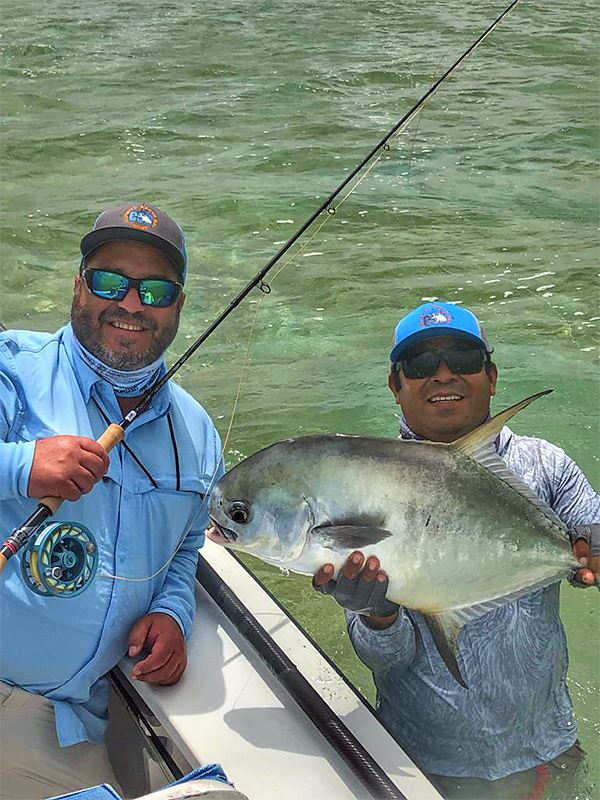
pixel 109 439
pixel 49 505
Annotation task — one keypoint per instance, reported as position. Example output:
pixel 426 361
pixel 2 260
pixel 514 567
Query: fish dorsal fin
pixel 481 438
pixel 492 461
pixel 478 445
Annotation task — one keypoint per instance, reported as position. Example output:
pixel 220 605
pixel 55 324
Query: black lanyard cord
pixel 178 473
pixel 136 459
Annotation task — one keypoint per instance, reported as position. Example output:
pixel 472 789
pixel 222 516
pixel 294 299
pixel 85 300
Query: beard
pixel 88 329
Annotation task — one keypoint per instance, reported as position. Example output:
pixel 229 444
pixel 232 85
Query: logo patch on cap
pixel 141 217
pixel 435 315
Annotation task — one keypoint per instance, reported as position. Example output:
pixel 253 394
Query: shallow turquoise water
pixel 239 119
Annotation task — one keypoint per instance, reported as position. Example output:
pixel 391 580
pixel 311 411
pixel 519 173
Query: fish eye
pixel 238 512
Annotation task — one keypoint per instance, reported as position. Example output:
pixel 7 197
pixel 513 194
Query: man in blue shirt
pixel 146 504
pixel 513 727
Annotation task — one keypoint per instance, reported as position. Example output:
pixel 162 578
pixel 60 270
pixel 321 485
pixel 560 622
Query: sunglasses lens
pixel 108 284
pixel 460 362
pixel 423 365
pixel 158 293
pixel 465 362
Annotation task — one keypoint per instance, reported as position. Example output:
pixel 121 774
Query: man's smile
pixel 125 327
pixel 445 398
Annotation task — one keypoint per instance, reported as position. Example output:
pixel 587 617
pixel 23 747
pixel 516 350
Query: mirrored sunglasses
pixel 426 363
pixel 153 292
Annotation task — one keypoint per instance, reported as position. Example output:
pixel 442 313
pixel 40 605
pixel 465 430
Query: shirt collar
pixel 89 381
pixel 500 442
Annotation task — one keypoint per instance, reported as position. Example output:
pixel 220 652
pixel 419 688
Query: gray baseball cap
pixel 140 222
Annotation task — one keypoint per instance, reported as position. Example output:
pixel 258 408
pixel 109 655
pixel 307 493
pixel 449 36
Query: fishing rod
pixel 116 432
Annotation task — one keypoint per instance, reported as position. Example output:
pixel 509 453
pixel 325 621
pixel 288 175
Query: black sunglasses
pixel 426 363
pixel 155 292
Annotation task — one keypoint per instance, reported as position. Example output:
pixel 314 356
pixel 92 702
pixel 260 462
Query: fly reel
pixel 61 560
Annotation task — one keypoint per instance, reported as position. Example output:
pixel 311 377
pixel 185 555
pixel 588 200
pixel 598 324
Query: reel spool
pixel 61 560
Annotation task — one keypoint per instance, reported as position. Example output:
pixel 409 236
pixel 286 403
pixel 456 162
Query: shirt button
pixel 121 559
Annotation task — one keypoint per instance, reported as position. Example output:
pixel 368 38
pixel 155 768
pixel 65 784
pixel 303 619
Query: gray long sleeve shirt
pixel 516 713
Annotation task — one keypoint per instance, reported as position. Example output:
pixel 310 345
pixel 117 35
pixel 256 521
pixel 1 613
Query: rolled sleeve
pixel 16 459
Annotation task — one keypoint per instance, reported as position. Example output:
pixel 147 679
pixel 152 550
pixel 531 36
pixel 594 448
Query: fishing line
pixel 292 257
pixel 213 477
pixel 512 282
pixel 116 432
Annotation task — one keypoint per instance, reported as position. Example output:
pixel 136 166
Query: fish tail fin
pixel 444 628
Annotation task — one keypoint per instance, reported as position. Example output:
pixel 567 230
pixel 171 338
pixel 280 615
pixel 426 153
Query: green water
pixel 239 119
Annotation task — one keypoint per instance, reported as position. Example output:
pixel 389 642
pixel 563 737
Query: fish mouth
pixel 220 534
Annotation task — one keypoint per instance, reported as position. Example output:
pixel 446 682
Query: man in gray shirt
pixel 513 728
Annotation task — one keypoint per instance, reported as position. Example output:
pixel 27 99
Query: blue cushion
pixel 213 772
pixel 102 792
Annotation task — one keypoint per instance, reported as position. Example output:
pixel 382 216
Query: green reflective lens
pixel 157 293
pixel 109 284
pixel 112 286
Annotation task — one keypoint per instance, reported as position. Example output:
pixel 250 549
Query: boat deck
pixel 231 709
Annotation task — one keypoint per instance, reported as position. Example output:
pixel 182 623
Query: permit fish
pixel 456 531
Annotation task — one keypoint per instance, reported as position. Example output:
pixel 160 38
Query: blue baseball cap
pixel 436 319
pixel 140 222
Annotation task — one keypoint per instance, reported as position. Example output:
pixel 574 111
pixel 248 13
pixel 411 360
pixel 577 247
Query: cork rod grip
pixel 111 437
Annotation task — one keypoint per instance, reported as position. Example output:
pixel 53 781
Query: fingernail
pixel 372 564
pixel 356 558
pixel 583 560
pixel 328 569
pixel 133 651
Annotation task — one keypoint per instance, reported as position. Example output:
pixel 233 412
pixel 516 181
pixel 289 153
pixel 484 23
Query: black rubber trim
pixel 127 695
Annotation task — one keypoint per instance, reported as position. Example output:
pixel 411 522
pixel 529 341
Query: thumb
pixel 138 635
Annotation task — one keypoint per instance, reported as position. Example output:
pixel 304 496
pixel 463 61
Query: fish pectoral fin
pixel 348 536
pixel 444 630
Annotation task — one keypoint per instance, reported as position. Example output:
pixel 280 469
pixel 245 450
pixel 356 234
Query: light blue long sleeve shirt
pixel 516 713
pixel 62 647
